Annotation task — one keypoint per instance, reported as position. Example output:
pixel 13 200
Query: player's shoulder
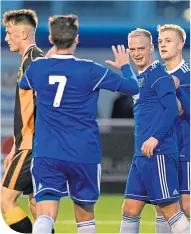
pixel 34 52
pixel 38 63
pixel 89 64
pixel 84 62
pixel 185 67
pixel 157 71
pixel 156 67
pixel 184 74
pixel 182 71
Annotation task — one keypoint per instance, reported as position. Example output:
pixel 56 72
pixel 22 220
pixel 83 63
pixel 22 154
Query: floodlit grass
pixel 107 214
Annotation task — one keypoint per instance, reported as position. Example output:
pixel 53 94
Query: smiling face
pixel 141 51
pixel 170 44
pixel 13 36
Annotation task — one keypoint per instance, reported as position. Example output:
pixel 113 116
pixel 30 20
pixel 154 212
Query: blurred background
pixel 102 24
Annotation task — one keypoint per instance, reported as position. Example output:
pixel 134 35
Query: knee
pixel 130 209
pixel 48 208
pixel 32 206
pixel 8 199
pixel 186 208
pixel 32 203
pixel 83 212
pixel 157 210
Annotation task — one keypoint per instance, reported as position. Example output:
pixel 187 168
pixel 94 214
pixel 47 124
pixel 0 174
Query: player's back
pixel 67 108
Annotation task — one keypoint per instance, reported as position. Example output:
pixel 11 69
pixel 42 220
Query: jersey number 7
pixel 60 90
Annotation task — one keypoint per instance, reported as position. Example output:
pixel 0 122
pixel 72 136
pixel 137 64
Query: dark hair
pixel 23 16
pixel 63 30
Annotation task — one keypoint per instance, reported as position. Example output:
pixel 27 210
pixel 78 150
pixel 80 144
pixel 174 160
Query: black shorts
pixel 17 175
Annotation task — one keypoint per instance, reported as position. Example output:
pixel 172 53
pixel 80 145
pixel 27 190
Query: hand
pixel 8 159
pixel 176 81
pixel 121 57
pixel 149 146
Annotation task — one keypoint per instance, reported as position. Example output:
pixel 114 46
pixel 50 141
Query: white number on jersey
pixel 59 93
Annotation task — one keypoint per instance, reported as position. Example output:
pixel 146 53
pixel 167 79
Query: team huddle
pixel 57 147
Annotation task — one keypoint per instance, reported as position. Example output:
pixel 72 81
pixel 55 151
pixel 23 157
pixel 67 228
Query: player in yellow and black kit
pixel 20 36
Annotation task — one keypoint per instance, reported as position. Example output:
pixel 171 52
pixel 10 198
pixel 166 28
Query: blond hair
pixel 140 32
pixel 173 27
pixel 23 16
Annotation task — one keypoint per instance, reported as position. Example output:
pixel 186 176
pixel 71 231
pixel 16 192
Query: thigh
pixel 49 179
pixel 184 176
pixel 17 175
pixel 135 188
pixel 160 178
pixel 84 182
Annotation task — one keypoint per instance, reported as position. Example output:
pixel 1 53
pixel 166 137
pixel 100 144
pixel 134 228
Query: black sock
pixel 23 226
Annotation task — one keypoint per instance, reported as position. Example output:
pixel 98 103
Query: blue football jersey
pixel 67 94
pixel 154 83
pixel 182 71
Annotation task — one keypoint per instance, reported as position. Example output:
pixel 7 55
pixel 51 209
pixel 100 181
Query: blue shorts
pixel 184 176
pixel 153 180
pixel 53 179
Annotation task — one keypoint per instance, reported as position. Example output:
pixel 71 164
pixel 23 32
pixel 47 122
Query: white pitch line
pixel 101 222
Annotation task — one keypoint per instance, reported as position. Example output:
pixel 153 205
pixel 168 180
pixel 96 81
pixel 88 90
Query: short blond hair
pixel 140 32
pixel 173 27
pixel 23 16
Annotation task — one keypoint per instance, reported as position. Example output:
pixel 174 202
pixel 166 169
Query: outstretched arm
pixel 129 84
pixel 121 57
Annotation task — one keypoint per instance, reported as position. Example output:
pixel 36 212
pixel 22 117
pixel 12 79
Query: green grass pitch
pixel 107 214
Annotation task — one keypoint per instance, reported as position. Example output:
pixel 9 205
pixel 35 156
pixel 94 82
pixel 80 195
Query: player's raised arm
pixel 107 79
pixel 129 82
pixel 121 57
